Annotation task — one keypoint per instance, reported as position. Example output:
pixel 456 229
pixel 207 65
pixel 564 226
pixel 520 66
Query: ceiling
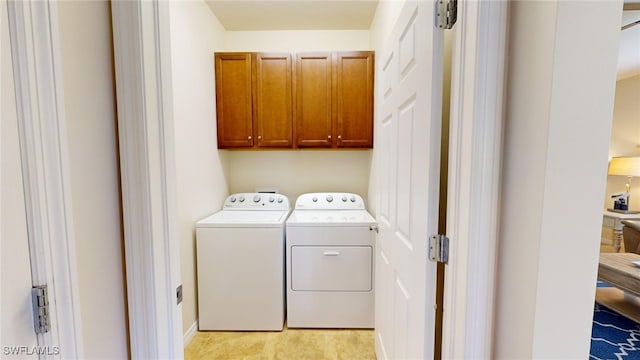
pixel 254 15
pixel 294 15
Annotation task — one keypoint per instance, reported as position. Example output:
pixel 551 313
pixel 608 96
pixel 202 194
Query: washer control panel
pixel 256 201
pixel 330 201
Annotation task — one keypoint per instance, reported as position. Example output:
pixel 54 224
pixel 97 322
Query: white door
pixel 15 286
pixel 409 93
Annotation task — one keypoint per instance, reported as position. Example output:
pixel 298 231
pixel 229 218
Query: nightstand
pixel 613 220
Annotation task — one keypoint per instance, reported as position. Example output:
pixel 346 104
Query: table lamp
pixel 628 166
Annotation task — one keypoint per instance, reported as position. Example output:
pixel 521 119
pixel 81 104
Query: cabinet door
pixel 273 120
pixel 354 96
pixel 233 100
pixel 313 114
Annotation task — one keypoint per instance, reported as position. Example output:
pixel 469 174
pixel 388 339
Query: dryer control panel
pixel 330 201
pixel 256 201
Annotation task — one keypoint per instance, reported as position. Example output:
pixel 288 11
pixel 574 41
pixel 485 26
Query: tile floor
pixel 296 344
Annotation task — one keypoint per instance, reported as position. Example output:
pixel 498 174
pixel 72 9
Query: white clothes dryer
pixel 240 264
pixel 330 262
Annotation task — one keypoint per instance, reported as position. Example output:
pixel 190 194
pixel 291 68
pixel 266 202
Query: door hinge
pixel 40 302
pixel 439 248
pixel 446 13
pixel 179 294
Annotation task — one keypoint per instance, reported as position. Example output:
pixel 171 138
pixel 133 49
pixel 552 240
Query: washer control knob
pixel 233 199
pixel 280 199
pixel 329 198
pixel 344 198
pixel 241 199
pixel 314 199
pixel 272 199
pixel 256 198
pixel 353 199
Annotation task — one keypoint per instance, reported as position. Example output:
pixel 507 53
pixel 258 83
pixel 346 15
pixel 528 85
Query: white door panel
pixel 382 316
pixel 409 115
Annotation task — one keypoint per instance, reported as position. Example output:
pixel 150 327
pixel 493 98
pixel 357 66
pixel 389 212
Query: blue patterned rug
pixel 614 336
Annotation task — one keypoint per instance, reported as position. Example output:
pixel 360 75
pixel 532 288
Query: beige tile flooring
pixel 298 344
pixel 312 344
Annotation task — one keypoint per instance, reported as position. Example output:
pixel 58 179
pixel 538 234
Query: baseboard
pixel 188 336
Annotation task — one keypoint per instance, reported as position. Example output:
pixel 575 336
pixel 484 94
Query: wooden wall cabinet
pixel 314 99
pixel 233 100
pixel 334 99
pixel 273 98
pixel 326 101
pixel 254 100
pixel 354 99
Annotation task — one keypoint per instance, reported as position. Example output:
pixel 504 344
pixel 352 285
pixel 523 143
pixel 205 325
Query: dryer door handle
pixel 331 253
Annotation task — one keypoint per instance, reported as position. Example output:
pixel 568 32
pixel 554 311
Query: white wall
pixel 559 103
pixel 87 63
pixel 294 172
pixel 523 175
pixel 200 168
pixel 383 21
pixel 297 172
pixel 625 137
pixel 296 40
pixel 16 326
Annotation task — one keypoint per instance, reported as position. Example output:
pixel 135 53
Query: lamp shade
pixel 625 166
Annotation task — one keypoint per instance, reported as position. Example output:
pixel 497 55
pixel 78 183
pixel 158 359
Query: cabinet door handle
pixel 329 137
pixel 259 137
pixel 249 137
pixel 331 253
pixel 339 137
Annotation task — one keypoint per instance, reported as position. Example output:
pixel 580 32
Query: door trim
pixel 476 126
pixel 35 52
pixel 145 126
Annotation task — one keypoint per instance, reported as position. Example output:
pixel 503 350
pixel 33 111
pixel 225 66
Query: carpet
pixel 614 336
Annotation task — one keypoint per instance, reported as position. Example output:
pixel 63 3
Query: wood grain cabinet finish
pixel 273 98
pixel 233 100
pixel 254 100
pixel 354 95
pixel 324 100
pixel 314 92
pixel 334 99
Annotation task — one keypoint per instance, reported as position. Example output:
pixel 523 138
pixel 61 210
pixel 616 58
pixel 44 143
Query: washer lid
pixel 330 218
pixel 248 218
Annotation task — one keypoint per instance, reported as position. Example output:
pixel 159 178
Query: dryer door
pixel 331 268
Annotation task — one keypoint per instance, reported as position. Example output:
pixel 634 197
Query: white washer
pixel 240 264
pixel 330 261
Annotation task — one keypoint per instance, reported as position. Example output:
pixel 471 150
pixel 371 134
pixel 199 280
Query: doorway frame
pixel 147 151
pixel 142 56
pixel 35 53
pixel 473 201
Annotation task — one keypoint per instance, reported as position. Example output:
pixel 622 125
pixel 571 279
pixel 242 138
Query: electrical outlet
pixel 179 294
